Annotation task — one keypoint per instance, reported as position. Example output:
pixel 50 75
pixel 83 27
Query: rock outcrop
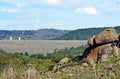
pixel 101 46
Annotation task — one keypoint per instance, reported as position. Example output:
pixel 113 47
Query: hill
pixel 41 34
pixel 83 34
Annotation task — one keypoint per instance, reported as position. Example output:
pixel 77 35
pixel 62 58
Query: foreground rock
pixel 107 36
pixel 101 46
pixel 63 62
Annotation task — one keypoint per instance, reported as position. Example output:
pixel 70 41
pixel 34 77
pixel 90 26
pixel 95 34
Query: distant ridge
pixel 52 34
pixel 41 34
pixel 83 34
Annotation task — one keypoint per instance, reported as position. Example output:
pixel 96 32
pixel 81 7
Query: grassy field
pixel 38 46
pixel 107 70
pixel 22 66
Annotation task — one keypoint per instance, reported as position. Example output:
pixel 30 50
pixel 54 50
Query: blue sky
pixel 58 14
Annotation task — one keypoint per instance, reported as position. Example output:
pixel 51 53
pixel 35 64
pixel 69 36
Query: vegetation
pixel 38 66
pixel 41 34
pixel 59 54
pixel 44 34
pixel 83 34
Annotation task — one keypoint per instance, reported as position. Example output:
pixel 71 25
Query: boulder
pixel 107 36
pixel 101 53
pixel 101 46
pixel 63 62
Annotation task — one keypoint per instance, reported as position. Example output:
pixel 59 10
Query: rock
pixel 107 36
pixel 100 47
pixel 63 62
pixel 84 64
pixel 119 37
pixel 101 53
pixel 90 41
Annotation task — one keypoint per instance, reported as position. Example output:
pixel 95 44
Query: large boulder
pixel 101 53
pixel 107 36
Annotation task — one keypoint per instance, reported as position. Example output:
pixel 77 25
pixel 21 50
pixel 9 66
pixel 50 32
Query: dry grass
pixel 38 46
pixel 21 73
pixel 104 71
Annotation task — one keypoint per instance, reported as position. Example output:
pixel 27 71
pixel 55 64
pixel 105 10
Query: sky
pixel 58 14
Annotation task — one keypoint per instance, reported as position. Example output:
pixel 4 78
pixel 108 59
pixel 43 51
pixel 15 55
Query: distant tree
pixel 26 54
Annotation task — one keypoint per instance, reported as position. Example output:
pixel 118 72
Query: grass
pixel 106 70
pixel 20 66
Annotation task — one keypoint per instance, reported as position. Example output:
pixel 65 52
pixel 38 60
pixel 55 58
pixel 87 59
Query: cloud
pixel 10 10
pixel 22 4
pixel 38 21
pixel 52 2
pixel 86 10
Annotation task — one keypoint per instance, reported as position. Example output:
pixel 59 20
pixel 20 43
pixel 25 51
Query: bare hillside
pixel 37 46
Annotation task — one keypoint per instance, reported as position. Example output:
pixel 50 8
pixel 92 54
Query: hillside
pixel 45 34
pixel 83 34
pixel 41 34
